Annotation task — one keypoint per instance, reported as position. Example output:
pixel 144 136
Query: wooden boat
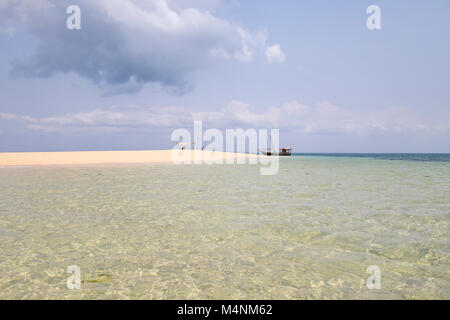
pixel 273 152
pixel 280 152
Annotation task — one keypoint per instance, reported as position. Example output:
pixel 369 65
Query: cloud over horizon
pixel 127 44
pixel 321 118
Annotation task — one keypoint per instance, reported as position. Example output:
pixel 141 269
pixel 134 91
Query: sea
pixel 326 226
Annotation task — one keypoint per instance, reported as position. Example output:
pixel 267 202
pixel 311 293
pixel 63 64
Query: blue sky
pixel 138 69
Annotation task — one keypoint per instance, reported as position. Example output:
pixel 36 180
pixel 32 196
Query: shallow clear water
pixel 226 232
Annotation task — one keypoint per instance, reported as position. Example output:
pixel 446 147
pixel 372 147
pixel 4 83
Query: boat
pixel 280 152
pixel 274 152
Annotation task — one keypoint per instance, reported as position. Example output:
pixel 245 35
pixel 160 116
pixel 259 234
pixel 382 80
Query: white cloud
pixel 321 118
pixel 274 54
pixel 324 117
pixel 153 41
pixel 119 119
pixel 8 116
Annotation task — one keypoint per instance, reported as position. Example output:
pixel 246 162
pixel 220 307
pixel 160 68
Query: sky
pixel 138 69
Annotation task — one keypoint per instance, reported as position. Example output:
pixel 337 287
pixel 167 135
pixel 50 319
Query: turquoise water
pixel 442 157
pixel 162 231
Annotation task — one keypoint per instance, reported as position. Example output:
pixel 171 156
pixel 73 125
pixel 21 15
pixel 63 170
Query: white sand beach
pixel 109 157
